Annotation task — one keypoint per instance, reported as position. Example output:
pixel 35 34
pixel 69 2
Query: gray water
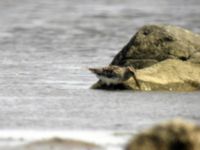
pixel 47 45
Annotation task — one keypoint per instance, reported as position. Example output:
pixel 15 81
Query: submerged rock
pixel 173 135
pixel 165 57
pixel 57 144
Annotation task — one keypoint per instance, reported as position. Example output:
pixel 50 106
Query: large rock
pixel 173 135
pixel 152 51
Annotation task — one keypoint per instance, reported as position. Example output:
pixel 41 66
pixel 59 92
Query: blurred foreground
pixel 176 134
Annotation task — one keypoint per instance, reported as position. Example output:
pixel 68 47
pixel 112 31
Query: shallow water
pixel 90 109
pixel 46 47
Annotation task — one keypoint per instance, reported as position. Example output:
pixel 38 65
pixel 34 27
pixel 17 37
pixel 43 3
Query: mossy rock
pixel 155 43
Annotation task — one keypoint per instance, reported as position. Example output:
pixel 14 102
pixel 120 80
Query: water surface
pixel 46 47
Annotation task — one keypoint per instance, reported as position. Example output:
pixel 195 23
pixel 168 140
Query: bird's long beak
pixel 94 70
pixel 91 69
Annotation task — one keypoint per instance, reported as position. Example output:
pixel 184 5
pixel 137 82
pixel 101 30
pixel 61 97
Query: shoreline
pixel 109 140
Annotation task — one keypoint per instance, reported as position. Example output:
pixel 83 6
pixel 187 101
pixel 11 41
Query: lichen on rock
pixel 170 75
